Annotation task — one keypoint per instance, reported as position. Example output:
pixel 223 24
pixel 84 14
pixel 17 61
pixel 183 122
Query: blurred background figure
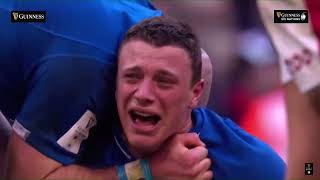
pixel 246 85
pixel 298 45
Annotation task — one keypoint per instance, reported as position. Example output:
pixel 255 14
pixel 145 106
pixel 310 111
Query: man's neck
pixel 185 128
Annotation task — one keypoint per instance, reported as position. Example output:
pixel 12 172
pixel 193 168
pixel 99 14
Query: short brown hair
pixel 164 31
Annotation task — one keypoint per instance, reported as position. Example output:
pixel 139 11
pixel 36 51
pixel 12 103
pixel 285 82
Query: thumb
pixel 190 140
pixel 197 154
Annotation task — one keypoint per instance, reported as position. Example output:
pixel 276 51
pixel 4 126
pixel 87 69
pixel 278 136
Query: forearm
pixel 138 169
pixel 314 97
pixel 77 172
pixel 303 126
pixel 25 162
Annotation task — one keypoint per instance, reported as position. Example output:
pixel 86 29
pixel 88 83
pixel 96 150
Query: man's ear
pixel 197 91
pixel 207 75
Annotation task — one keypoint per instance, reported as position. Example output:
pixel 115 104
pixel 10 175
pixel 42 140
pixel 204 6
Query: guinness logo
pixel 290 16
pixel 28 16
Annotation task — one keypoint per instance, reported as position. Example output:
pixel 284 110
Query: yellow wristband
pixel 134 170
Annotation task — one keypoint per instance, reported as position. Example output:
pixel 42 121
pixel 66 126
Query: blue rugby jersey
pixel 57 77
pixel 235 154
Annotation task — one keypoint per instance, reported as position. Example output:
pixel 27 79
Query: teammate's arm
pixel 25 162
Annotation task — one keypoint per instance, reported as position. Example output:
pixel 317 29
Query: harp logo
pixel 15 15
pixel 279 14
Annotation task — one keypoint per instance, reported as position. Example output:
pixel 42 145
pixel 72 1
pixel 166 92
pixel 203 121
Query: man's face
pixel 154 93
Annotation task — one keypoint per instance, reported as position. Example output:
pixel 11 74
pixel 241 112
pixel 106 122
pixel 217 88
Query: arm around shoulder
pixel 25 162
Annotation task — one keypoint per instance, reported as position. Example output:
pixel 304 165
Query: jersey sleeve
pixel 61 104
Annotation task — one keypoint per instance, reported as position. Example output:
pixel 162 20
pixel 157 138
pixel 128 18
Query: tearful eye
pixel 129 75
pixel 165 83
pixel 131 78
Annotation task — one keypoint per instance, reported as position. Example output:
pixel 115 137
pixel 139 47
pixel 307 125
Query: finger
pixel 190 140
pixel 208 175
pixel 202 166
pixel 196 154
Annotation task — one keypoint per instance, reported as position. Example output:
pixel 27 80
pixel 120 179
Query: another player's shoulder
pixel 215 125
pixel 213 120
pixel 245 156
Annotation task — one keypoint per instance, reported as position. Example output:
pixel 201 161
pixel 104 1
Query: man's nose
pixel 144 94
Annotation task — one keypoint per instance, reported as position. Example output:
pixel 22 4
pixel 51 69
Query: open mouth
pixel 143 118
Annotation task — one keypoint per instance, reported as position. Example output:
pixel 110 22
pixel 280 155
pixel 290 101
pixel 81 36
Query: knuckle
pixel 204 151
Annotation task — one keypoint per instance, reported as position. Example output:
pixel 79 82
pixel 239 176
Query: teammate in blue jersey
pixel 57 83
pixel 158 86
